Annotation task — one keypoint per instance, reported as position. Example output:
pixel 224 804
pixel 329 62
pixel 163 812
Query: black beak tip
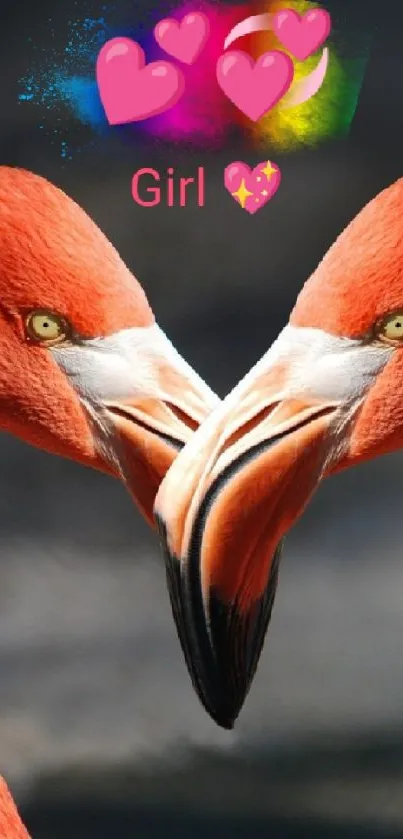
pixel 193 640
pixel 226 725
pixel 225 721
pixel 221 646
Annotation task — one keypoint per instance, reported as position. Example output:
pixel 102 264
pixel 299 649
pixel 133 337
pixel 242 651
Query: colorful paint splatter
pixel 203 117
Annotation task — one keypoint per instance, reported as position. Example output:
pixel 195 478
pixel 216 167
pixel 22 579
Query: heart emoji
pixel 302 35
pixel 252 188
pixel 132 90
pixel 254 87
pixel 183 39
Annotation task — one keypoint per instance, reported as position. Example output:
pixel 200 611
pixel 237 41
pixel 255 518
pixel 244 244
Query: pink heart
pixel 254 87
pixel 183 39
pixel 129 89
pixel 302 35
pixel 261 183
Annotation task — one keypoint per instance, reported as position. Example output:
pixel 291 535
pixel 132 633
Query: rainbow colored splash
pixel 204 117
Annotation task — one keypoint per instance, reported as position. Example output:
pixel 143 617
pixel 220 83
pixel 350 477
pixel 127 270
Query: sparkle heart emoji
pixel 132 90
pixel 252 188
pixel 302 35
pixel 183 39
pixel 254 87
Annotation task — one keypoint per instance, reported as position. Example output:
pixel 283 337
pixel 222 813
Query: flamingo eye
pixel 390 330
pixel 46 327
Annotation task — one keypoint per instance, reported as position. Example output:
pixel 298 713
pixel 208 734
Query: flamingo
pixel 11 826
pixel 326 396
pixel 85 371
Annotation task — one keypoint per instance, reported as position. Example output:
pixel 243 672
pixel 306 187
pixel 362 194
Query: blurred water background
pixel 100 732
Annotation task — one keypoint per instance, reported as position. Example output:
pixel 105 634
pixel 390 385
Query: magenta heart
pixel 254 87
pixel 252 188
pixel 129 89
pixel 183 39
pixel 302 35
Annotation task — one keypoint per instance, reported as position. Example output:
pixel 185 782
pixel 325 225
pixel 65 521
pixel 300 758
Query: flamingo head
pixel 85 371
pixel 327 394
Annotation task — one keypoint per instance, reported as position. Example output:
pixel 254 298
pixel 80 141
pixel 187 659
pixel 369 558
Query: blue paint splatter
pixel 81 94
pixel 68 78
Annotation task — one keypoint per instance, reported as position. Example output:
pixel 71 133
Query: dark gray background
pixel 100 732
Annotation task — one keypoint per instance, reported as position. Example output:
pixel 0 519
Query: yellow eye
pixel 391 328
pixel 46 327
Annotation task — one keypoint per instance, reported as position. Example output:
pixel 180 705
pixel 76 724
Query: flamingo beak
pixel 148 434
pixel 239 485
pixel 142 401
